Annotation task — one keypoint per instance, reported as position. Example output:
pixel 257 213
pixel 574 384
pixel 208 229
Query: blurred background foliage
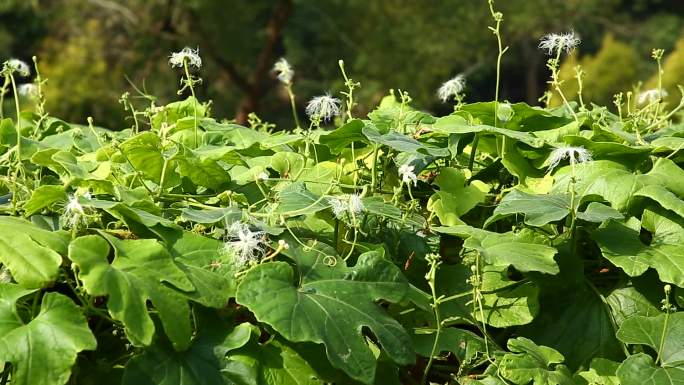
pixel 92 51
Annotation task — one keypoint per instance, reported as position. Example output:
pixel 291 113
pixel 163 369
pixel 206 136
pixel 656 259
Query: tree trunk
pixel 274 30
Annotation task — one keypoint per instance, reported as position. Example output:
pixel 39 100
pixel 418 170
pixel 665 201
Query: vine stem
pixel 3 90
pixel 473 150
pixel 162 177
pixel 556 83
pixel 662 339
pixel 373 167
pixel 431 278
pixel 293 105
pixel 19 166
pixel 194 98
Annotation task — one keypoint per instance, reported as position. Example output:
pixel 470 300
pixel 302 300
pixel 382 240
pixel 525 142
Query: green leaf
pixel 202 171
pixel 30 253
pixel 626 302
pixel 402 143
pixel 530 363
pixel 287 164
pixel 273 363
pixel 598 212
pixel 664 197
pixel 455 197
pixel 663 333
pixel 43 350
pixel 507 249
pixel 639 369
pixel 606 179
pixel 141 270
pixel 601 372
pixel 539 209
pixel 43 197
pixel 505 302
pixel 211 216
pixel 232 135
pixel 208 267
pixel 666 173
pixel 622 246
pixel 463 343
pixel 201 364
pixel 454 124
pixel 333 310
pixel 296 199
pixel 338 139
pixel 376 205
pixel 144 152
pixel 625 154
pixel 574 321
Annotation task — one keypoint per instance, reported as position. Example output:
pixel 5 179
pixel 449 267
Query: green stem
pixel 556 84
pixel 194 98
pixel 19 166
pixel 373 167
pixel 473 151
pixel 573 211
pixel 293 105
pixel 163 177
pixel 662 337
pixel 435 306
pixel 3 91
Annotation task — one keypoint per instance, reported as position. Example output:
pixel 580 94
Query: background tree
pixel 88 48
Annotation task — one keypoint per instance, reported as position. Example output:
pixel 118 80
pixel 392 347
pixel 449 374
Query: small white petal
pixel 74 214
pixel 452 88
pixel 553 42
pixel 347 204
pixel 177 59
pixel 246 244
pixel 651 96
pixel 323 107
pixel 18 66
pixel 28 90
pixel 573 154
pixel 355 204
pixel 284 71
pixel 407 174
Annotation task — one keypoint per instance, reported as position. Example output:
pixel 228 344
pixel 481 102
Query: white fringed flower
pixel 346 204
pixel 553 42
pixel 323 107
pixel 407 174
pixel 74 214
pixel 339 207
pixel 18 66
pixel 355 204
pixel 28 90
pixel 452 88
pixel 651 96
pixel 284 71
pixel 574 154
pixel 247 245
pixel 177 59
pixel 5 275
